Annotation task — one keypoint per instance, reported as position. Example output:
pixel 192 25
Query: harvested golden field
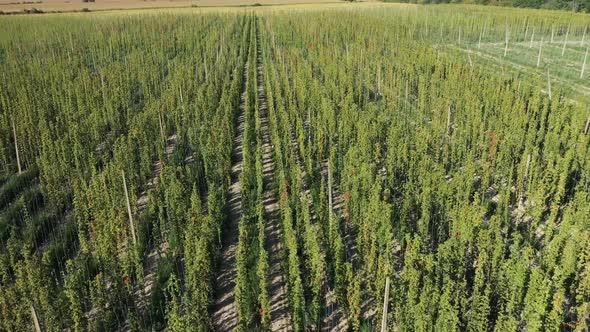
pixel 9 6
pixel 337 167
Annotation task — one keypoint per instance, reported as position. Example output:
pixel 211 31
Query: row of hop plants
pixel 248 253
pixel 114 106
pixel 308 274
pixel 432 157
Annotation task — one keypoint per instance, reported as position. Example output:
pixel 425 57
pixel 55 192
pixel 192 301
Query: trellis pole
pixel 181 99
pixel 16 147
pixel 549 84
pixel 449 121
pixel 205 67
pixel 506 43
pixel 132 226
pixel 479 40
pixel 565 40
pixel 385 305
pixel 330 204
pixel 161 127
pixel 525 179
pixel 379 79
pixel 584 62
pixel 540 50
pixel 406 98
pixel 35 319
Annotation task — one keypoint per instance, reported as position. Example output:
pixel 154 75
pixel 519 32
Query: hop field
pixel 302 167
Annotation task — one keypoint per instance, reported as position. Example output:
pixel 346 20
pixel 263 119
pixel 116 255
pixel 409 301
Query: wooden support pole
pixel 565 40
pixel 479 40
pixel 181 99
pixel 161 128
pixel 449 121
pixel 584 62
pixel 379 79
pixel 385 305
pixel 525 179
pixel 587 126
pixel 552 33
pixel 506 43
pixel 308 128
pixel 132 226
pixel 532 38
pixel 549 84
pixel 35 319
pixel 16 147
pixel 540 50
pixel 102 85
pixel 205 67
pixel 528 165
pixel 330 203
pixel 406 92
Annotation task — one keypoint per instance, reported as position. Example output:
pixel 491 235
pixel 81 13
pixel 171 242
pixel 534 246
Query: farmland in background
pixel 274 167
pixel 49 6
